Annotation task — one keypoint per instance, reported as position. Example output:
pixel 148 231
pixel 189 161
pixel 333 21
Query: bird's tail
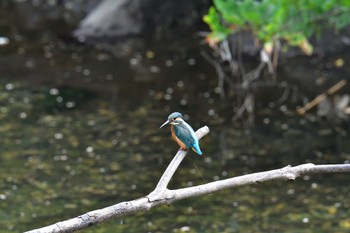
pixel 196 149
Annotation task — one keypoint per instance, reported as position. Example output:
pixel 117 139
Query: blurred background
pixel 85 85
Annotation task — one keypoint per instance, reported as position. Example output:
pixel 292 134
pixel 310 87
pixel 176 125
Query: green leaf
pixel 345 3
pixel 291 20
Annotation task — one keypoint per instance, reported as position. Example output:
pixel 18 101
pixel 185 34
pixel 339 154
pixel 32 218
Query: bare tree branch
pixel 333 89
pixel 161 195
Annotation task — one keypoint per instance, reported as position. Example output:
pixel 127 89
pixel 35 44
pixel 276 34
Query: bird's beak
pixel 165 123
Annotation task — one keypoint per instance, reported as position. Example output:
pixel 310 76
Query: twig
pixel 239 54
pixel 248 101
pixel 321 97
pixel 167 196
pixel 276 50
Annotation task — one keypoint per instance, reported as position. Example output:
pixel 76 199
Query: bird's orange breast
pixel 176 139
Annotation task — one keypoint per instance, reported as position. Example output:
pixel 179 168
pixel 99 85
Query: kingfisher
pixel 182 133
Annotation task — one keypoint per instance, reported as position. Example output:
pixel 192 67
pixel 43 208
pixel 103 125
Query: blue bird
pixel 182 133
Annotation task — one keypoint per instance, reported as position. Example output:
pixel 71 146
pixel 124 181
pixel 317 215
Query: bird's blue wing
pixel 185 133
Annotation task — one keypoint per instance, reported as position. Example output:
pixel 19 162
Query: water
pixel 79 131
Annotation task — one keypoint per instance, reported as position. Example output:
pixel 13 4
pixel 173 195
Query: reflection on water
pixel 79 131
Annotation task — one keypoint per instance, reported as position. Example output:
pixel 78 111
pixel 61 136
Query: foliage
pixel 293 21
